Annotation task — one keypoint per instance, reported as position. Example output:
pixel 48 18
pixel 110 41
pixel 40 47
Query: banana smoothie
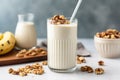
pixel 62 43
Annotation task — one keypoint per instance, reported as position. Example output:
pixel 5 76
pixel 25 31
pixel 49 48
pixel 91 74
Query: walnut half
pixel 99 71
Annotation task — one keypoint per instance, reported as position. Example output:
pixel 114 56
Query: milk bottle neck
pixel 26 17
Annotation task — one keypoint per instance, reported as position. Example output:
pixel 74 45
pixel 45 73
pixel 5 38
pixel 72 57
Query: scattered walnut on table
pixel 101 63
pixel 80 60
pixel 44 62
pixel 28 69
pixel 83 68
pixel 10 70
pixel 86 68
pixel 22 73
pixel 15 72
pixel 99 71
pixel 90 69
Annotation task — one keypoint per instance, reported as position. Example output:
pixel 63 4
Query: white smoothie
pixel 62 43
pixel 25 35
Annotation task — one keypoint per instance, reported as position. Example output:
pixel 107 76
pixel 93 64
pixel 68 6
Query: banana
pixel 1 36
pixel 7 42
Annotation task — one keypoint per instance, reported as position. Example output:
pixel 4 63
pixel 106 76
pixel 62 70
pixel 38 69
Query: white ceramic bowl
pixel 108 48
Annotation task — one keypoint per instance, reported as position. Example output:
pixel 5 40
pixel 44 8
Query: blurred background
pixel 93 15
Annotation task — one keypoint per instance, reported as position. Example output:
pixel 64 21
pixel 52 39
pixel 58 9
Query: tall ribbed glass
pixel 62 43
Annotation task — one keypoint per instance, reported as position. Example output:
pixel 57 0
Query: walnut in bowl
pixel 107 43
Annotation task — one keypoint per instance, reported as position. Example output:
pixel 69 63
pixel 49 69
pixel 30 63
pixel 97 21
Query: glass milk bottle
pixel 62 42
pixel 25 33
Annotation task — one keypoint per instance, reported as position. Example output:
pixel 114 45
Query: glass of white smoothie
pixel 62 43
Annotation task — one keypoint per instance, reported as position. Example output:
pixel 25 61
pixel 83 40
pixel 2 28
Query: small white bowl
pixel 108 48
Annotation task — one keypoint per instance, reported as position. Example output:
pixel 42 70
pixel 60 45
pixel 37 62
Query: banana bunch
pixel 7 42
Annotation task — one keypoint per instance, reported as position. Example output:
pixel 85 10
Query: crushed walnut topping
pixel 59 19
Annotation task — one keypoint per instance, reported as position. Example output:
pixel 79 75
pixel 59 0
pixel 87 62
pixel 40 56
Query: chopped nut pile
pixel 86 69
pixel 101 63
pixel 99 71
pixel 109 34
pixel 80 60
pixel 34 69
pixel 59 19
pixel 31 52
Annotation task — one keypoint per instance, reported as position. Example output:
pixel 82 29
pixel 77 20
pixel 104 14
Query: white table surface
pixel 112 69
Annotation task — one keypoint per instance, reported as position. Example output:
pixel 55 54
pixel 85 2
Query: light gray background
pixel 93 15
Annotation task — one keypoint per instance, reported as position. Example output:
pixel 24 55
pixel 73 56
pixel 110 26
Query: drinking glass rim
pixel 26 14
